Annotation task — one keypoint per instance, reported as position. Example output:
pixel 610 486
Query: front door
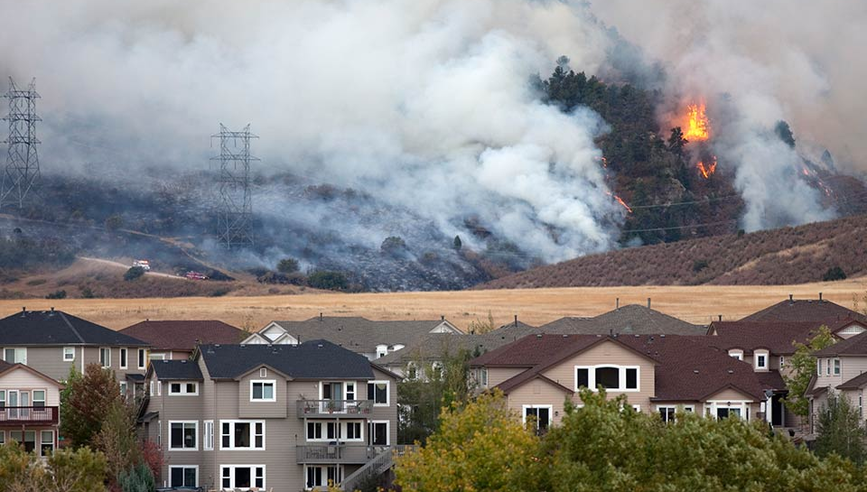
pixel 776 411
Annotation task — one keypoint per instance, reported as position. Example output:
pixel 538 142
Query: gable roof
pixel 632 319
pixel 6 368
pixel 856 345
pixel 176 370
pixel 774 336
pixel 857 382
pixel 35 328
pixel 359 334
pixel 183 334
pixel 316 359
pixel 811 310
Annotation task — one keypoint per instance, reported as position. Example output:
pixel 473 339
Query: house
pixel 632 319
pixel 29 408
pixel 660 374
pixel 840 368
pixel 177 339
pixel 288 417
pixel 373 339
pixel 53 342
pixel 818 310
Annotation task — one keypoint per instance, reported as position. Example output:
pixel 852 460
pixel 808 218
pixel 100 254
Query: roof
pixel 177 370
pixel 856 345
pixel 29 328
pixel 686 370
pixel 316 359
pixel 857 382
pixel 184 334
pixel 812 310
pixel 5 367
pixel 775 336
pixel 632 319
pixel 359 334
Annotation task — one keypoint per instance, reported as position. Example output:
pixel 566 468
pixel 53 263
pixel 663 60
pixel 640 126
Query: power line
pixel 21 174
pixel 730 221
pixel 691 202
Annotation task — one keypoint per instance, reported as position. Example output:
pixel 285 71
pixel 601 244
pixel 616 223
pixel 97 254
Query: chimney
pixel 617 303
pixel 791 298
pixel 442 317
pixel 516 321
pixel 648 303
pixel 52 309
pixel 320 316
pixel 720 317
pixel 820 296
pixel 23 310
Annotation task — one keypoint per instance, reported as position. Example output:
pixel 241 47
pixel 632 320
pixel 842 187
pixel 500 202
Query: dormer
pixel 761 360
pixel 736 353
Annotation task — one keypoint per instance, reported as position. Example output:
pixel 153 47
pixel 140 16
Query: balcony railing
pixel 28 415
pixel 333 408
pixel 336 453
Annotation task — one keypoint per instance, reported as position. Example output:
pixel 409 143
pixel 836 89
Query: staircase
pixel 380 463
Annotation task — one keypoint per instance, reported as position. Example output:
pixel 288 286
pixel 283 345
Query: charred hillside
pixel 809 253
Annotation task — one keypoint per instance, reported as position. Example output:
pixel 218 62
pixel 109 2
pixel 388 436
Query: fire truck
pixel 143 264
pixel 191 275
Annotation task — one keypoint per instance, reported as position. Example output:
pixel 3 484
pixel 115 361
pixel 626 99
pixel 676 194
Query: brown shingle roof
pixel 811 310
pixel 777 337
pixel 633 319
pixel 856 345
pixel 857 382
pixel 184 334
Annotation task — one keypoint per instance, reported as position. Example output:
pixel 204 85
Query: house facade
pixel 840 369
pixel 29 408
pixel 53 342
pixel 656 373
pixel 287 417
pixel 177 339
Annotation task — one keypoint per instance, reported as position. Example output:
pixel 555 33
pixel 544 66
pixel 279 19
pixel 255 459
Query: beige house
pixel 660 374
pixel 178 339
pixel 841 369
pixel 287 417
pixel 29 408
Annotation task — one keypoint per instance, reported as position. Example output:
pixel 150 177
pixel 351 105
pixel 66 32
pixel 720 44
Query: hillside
pixel 789 255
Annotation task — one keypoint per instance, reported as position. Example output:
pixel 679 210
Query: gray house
pixel 287 417
pixel 52 342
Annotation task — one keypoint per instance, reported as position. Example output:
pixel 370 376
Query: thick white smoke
pixel 424 104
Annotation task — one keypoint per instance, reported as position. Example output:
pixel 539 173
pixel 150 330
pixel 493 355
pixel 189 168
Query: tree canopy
pixel 802 366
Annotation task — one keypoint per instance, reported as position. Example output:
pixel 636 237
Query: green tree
pixel 833 274
pixel 287 265
pixel 85 403
pixel 479 327
pixel 480 447
pixel 676 142
pixel 117 439
pixel 802 367
pixel 114 222
pixel 79 470
pixel 328 280
pixel 457 244
pixel 137 479
pixel 784 132
pixel 133 273
pixel 840 430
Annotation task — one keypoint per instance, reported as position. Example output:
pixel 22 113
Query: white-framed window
pixel 159 432
pixel 151 389
pixel 314 431
pixel 242 476
pixel 350 391
pixel 38 398
pixel 183 388
pixel 737 354
pixel 183 435
pixel 123 361
pixel 353 431
pixel 2 437
pixel 436 369
pixel 15 355
pixel 123 387
pixel 242 434
pixel 819 367
pixel 208 436
pixel 142 358
pixel 46 443
pixel 726 409
pixel 836 367
pixel 483 377
pixel 157 356
pixel 320 475
pixel 861 404
pixel 263 372
pixel 105 356
pixel 184 476
pixel 761 359
pixel 541 416
pixel 411 370
pixel 610 377
pixel 378 392
pixel 668 412
pixel 827 367
pixel 263 390
pixel 381 351
pixel 68 354
pixel 378 433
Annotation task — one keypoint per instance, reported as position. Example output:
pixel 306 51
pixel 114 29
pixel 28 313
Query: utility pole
pixel 21 174
pixel 235 210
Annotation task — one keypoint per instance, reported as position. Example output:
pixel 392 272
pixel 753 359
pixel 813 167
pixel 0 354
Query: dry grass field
pixel 698 304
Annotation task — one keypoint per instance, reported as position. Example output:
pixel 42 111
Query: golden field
pixel 699 304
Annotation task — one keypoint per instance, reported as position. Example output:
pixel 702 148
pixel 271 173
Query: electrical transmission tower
pixel 235 210
pixel 21 173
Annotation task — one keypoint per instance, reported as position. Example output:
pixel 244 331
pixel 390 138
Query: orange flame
pixel 620 201
pixel 707 171
pixel 697 124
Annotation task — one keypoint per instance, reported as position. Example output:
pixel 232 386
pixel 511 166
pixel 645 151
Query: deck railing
pixel 34 415
pixel 333 408
pixel 335 453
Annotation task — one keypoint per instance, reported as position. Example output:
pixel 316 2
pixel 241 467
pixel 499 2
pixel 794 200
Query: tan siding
pixel 22 379
pixel 539 392
pixel 49 361
pixel 262 409
pixel 497 375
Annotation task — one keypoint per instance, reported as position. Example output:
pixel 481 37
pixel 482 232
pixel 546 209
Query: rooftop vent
pixel 538 335
pixel 695 371
pixel 648 303
pixel 791 298
pixel 662 335
pixel 731 372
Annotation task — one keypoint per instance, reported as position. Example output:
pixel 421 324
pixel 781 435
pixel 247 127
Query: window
pixel 105 357
pixel 617 378
pixel 350 391
pixel 151 392
pixel 263 390
pixel 666 413
pixel 159 356
pixel 411 370
pixel 726 409
pixel 378 392
pixel 828 367
pixel 263 372
pixel 159 432
pixel 123 352
pixel 736 354
pixel 27 438
pixel 2 399
pixel 2 437
pixel 861 404
pixel 142 358
pixel 159 388
pixel 46 443
pixel 332 430
pixel 314 431
pixel 208 437
pixel 183 476
pixel 436 370
pixel 68 354
pixel 242 434
pixel 761 359
pixel 123 387
pixel 353 431
pixel 39 398
pixel 377 432
pixel 184 389
pixel 183 435
pixel 782 362
pixel 15 355
pixel 319 476
pixel 483 377
pixel 836 367
pixel 819 367
pixel 242 476
pixel 540 415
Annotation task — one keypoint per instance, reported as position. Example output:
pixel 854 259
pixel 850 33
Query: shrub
pixel 58 294
pixel 137 479
pixel 36 281
pixel 87 293
pixel 133 273
pixel 114 222
pixel 834 273
pixel 699 265
pixel 393 244
pixel 330 280
pixel 287 265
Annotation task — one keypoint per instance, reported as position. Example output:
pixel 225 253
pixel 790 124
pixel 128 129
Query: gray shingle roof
pixel 812 310
pixel 34 328
pixel 177 370
pixel 633 319
pixel 315 359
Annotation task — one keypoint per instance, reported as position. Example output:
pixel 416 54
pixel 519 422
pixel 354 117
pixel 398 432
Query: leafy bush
pixel 699 265
pixel 393 244
pixel 58 294
pixel 137 479
pixel 328 280
pixel 287 265
pixel 133 273
pixel 834 273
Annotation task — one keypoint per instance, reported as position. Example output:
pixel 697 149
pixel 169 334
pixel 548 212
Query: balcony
pixel 333 408
pixel 336 453
pixel 33 416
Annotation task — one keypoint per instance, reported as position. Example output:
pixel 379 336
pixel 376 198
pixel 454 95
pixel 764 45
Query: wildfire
pixel 707 171
pixel 697 126
pixel 620 201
